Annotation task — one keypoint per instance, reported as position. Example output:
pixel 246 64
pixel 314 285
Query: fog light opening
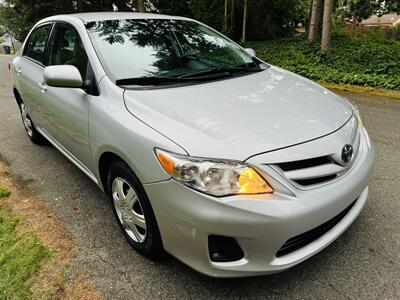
pixel 224 249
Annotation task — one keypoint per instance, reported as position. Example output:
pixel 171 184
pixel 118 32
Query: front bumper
pixel 260 224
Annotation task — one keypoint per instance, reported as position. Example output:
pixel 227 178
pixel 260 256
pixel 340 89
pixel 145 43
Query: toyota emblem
pixel 347 153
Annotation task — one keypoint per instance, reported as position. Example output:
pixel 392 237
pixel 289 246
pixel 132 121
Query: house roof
pixel 388 19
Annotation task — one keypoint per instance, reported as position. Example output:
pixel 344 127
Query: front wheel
pixel 133 211
pixel 30 129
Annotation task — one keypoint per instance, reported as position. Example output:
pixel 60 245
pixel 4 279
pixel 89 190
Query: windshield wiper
pixel 202 75
pixel 222 71
pixel 153 80
pixel 158 80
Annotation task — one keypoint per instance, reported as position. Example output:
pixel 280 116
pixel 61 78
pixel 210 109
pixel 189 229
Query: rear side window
pixel 36 46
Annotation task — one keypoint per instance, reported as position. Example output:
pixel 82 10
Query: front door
pixel 66 109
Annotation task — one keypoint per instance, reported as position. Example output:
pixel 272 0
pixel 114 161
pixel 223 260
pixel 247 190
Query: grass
pixel 356 89
pixel 21 256
pixel 4 193
pixel 366 61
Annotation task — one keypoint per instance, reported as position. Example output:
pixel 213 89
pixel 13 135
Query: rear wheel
pixel 30 129
pixel 133 211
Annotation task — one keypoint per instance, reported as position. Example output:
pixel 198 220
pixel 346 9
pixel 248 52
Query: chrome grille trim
pixel 313 172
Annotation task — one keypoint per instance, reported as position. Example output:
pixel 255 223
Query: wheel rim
pixel 26 120
pixel 129 210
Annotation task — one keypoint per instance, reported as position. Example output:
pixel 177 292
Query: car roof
pixel 103 16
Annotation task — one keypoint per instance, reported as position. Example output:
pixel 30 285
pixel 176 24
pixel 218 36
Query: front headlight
pixel 215 177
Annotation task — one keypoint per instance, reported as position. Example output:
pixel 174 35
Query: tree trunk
pixel 141 7
pixel 225 27
pixel 327 27
pixel 232 17
pixel 244 28
pixel 314 22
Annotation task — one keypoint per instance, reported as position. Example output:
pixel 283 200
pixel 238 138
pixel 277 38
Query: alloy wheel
pixel 26 120
pixel 129 209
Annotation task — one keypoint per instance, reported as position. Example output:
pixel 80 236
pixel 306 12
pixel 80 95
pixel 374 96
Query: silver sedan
pixel 233 166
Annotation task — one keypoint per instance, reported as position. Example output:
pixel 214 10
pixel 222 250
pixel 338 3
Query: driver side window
pixel 67 49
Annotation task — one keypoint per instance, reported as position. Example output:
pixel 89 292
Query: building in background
pixel 387 21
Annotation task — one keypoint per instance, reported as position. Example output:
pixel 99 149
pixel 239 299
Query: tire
pixel 30 129
pixel 131 207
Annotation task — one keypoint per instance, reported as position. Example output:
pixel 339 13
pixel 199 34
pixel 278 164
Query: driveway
pixel 363 263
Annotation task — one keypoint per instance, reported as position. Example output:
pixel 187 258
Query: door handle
pixel 42 87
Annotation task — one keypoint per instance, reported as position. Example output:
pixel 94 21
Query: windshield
pixel 155 48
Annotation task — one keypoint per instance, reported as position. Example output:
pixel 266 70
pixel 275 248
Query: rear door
pixel 29 71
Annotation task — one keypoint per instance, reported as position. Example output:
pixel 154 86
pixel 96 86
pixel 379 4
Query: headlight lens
pixel 218 178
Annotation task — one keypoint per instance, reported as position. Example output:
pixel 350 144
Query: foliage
pixel 180 8
pixel 394 33
pixel 21 15
pixel 267 19
pixel 4 193
pixel 358 9
pixel 21 255
pixel 389 6
pixel 302 12
pixel 364 61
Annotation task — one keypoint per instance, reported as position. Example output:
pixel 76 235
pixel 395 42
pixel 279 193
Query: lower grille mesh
pixel 313 181
pixel 299 241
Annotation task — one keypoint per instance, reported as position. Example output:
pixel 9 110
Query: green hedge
pixel 354 60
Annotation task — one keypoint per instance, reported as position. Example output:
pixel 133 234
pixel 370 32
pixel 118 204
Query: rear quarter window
pixel 36 45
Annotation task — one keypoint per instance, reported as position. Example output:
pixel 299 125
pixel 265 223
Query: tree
pixel 387 6
pixel 181 7
pixel 21 15
pixel 225 27
pixel 314 21
pixel 263 19
pixel 327 27
pixel 244 26
pixel 232 27
pixel 141 6
pixel 301 13
pixel 357 10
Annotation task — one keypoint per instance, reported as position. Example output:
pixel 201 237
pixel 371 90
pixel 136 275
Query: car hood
pixel 242 116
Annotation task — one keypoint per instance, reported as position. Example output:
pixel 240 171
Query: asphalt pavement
pixel 364 263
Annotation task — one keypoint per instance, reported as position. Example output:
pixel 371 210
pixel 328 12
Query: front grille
pixel 305 163
pixel 311 172
pixel 299 241
pixel 314 181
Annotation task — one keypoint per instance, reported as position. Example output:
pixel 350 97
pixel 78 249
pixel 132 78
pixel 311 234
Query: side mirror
pixel 65 76
pixel 250 51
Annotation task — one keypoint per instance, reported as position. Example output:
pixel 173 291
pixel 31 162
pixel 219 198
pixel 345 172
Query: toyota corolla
pixel 233 166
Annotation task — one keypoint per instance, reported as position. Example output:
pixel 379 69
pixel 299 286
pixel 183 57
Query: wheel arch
pixel 104 163
pixel 17 96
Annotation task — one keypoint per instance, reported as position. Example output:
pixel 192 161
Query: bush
pixel 395 32
pixel 355 60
